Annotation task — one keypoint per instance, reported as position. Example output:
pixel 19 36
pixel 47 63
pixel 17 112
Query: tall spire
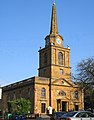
pixel 54 27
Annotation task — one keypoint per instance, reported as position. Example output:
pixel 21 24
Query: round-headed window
pixel 60 58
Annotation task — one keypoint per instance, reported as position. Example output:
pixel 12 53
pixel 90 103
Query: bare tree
pixel 85 78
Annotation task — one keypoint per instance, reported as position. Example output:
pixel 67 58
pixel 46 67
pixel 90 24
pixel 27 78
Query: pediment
pixel 62 81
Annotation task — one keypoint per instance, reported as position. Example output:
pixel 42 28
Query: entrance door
pixel 76 107
pixel 43 107
pixel 64 106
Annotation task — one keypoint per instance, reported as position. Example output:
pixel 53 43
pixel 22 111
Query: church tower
pixel 54 59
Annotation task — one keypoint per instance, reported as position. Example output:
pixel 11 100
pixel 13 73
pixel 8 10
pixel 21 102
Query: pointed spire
pixel 54 27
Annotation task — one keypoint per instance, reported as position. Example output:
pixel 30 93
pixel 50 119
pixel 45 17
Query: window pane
pixel 43 93
pixel 76 94
pixel 45 58
pixel 61 71
pixel 60 58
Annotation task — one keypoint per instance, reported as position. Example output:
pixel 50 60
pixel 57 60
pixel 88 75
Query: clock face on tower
pixel 58 41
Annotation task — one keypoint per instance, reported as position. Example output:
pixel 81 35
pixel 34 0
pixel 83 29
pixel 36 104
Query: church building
pixel 53 87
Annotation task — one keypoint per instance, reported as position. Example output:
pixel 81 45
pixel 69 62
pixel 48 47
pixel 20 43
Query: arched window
pixel 60 58
pixel 45 58
pixel 76 94
pixel 61 71
pixel 43 93
pixel 62 93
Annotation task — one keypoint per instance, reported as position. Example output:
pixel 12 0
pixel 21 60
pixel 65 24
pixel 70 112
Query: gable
pixel 63 82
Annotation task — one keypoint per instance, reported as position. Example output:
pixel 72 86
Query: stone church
pixel 53 86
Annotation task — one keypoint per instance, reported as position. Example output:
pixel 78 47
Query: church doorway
pixel 76 107
pixel 61 105
pixel 64 106
pixel 43 107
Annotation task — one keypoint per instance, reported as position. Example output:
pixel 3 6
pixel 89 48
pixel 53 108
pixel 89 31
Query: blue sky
pixel 24 25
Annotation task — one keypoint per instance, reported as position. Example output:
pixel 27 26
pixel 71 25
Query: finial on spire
pixel 54 2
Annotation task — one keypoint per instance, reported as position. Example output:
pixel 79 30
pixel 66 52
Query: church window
pixel 76 94
pixel 60 58
pixel 62 93
pixel 43 93
pixel 61 71
pixel 44 71
pixel 45 58
pixel 43 107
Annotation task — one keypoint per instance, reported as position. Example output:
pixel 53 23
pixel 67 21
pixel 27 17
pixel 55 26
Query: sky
pixel 25 23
